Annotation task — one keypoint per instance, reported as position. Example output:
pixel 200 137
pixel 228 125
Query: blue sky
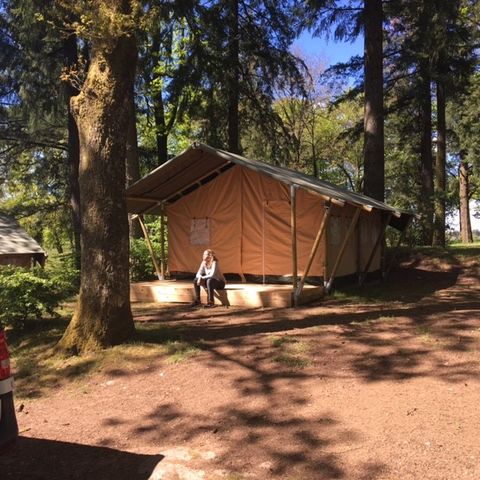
pixel 329 51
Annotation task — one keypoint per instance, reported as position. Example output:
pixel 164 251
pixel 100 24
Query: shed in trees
pixel 17 247
pixel 265 222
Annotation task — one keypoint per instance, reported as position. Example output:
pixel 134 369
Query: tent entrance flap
pixel 276 236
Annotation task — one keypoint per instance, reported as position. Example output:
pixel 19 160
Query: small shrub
pixel 26 295
pixel 62 272
pixel 141 265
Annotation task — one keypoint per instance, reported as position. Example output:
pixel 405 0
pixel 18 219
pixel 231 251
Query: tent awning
pixel 201 163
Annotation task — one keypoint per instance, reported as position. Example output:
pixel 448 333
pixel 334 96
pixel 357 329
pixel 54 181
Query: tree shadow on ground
pixel 403 284
pixel 271 425
pixel 273 440
pixel 40 459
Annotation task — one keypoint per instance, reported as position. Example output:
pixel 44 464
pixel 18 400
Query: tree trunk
pixel 440 169
pixel 71 60
pixel 133 166
pixel 426 161
pixel 233 79
pixel 374 162
pixel 465 223
pixel 161 133
pixel 103 315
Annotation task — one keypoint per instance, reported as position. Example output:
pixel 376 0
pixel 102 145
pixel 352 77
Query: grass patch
pixel 369 294
pixel 279 341
pixel 292 352
pixel 292 361
pixel 387 318
pixel 233 476
pixel 178 351
pixel 425 334
pixel 38 368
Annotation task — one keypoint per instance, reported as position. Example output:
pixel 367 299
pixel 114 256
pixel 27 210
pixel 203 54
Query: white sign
pixel 200 231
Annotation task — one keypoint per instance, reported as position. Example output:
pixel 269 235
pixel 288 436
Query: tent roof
pixel 15 240
pixel 199 164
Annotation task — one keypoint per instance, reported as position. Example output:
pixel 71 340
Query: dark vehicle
pixel 8 420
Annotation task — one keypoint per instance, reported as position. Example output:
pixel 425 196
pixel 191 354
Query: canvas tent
pixel 260 219
pixel 16 246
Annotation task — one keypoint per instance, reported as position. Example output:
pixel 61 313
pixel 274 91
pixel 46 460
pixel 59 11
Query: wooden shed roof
pixel 15 240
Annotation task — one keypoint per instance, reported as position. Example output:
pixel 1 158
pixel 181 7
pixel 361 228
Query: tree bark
pixel 465 222
pixel 440 169
pixel 374 156
pixel 161 131
pixel 103 315
pixel 426 158
pixel 233 79
pixel 133 165
pixel 71 60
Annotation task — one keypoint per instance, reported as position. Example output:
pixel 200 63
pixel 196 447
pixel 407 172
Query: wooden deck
pixel 235 294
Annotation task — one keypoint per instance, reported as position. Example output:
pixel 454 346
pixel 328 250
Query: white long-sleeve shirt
pixel 213 271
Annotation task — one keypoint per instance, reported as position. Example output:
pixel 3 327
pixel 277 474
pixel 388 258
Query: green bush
pixel 25 295
pixel 141 265
pixel 62 271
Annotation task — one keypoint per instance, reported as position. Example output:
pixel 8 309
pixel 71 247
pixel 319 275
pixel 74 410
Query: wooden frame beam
pixel 162 242
pixel 199 181
pixel 313 251
pixel 150 248
pixel 293 223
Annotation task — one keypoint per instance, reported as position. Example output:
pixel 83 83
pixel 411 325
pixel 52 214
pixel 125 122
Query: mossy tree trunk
pixel 233 72
pixel 440 169
pixel 103 315
pixel 465 223
pixel 71 60
pixel 426 207
pixel 374 156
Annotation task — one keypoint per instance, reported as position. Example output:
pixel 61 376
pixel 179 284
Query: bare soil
pixel 337 390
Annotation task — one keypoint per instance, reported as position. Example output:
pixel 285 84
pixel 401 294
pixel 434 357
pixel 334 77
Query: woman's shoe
pixel 210 305
pixel 196 303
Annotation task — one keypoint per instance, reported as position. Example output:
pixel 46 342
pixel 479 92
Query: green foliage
pixel 62 271
pixel 27 295
pixel 141 265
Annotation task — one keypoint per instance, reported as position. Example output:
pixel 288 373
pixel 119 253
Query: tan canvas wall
pixel 361 241
pixel 267 246
pixel 370 225
pixel 218 205
pixel 245 217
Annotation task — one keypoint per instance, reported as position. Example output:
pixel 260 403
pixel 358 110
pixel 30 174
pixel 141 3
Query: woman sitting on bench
pixel 208 276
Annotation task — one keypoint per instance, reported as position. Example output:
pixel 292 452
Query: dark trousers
pixel 211 284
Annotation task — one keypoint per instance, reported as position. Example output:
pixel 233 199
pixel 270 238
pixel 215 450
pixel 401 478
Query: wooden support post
pixel 293 223
pixel 315 246
pixel 351 229
pixel 162 243
pixel 150 247
pixel 381 236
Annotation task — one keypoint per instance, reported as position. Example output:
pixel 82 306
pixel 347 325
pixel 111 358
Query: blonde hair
pixel 212 254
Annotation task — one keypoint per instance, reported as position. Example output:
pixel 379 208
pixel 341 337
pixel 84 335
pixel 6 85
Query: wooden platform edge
pixel 254 297
pixel 310 295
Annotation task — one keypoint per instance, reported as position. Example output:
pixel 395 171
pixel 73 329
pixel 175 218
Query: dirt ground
pixel 337 390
